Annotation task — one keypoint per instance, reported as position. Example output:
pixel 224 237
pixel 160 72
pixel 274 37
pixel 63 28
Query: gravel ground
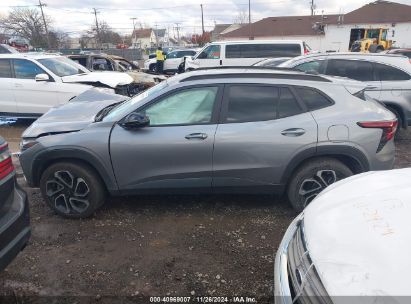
pixel 152 246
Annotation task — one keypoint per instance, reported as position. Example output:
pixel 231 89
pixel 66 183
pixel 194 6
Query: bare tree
pixel 26 23
pixel 241 18
pixel 107 34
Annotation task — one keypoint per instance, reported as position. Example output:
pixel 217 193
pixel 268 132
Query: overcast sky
pixel 75 16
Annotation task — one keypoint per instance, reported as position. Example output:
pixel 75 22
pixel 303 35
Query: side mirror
pixel 135 121
pixel 42 77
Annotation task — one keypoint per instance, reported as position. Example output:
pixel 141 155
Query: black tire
pixel 72 189
pixel 153 68
pixel 373 48
pixel 317 175
pixel 379 49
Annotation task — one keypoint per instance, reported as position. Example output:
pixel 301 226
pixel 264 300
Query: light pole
pixel 134 32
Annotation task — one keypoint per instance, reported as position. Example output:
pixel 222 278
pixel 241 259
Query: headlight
pixel 27 143
pixel 105 90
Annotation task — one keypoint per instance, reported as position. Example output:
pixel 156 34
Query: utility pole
pixel 44 21
pixel 178 33
pixel 249 19
pixel 97 28
pixel 312 7
pixel 134 32
pixel 202 18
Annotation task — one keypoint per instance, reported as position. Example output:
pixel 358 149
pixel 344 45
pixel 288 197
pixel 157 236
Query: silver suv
pixel 222 130
pixel 388 76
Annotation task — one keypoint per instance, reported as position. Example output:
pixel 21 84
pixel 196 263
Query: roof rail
pixel 224 67
pixel 302 76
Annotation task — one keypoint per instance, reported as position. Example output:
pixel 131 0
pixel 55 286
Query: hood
pixel 357 233
pixel 72 116
pixel 145 78
pixel 111 79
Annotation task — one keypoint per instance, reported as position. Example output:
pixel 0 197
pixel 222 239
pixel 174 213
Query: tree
pixel 201 39
pixel 107 35
pixel 241 18
pixel 27 23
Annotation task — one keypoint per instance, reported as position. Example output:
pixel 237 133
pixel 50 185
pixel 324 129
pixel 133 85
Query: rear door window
pixel 313 99
pixel 287 104
pixel 5 68
pixel 354 69
pixel 388 73
pixel 248 103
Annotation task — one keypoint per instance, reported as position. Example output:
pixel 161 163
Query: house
pixel 221 29
pixel 333 32
pixel 161 37
pixel 143 38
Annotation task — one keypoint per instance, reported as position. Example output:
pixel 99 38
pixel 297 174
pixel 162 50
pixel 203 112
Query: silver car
pixel 388 76
pixel 222 130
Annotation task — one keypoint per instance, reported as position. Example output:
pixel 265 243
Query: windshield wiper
pixel 103 112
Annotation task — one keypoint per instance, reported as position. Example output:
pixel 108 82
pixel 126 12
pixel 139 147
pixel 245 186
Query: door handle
pixel 18 85
pixel 293 132
pixel 221 62
pixel 196 136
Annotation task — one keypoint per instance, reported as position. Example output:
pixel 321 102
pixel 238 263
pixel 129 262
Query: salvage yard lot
pixel 155 245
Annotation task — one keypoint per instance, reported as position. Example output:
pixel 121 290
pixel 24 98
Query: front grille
pixel 305 284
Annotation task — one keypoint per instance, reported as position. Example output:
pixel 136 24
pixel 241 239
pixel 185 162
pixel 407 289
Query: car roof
pixel 29 56
pixel 257 42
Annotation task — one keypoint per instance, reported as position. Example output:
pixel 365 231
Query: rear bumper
pixel 14 227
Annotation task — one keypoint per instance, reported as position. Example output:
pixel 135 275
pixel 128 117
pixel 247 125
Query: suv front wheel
pixel 312 178
pixel 72 190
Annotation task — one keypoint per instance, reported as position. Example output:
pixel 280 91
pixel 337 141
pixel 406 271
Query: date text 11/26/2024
pixel 200 299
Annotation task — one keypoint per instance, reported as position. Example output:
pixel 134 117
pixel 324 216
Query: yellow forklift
pixel 369 40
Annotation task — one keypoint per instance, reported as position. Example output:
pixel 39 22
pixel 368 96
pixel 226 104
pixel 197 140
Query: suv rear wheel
pixel 72 190
pixel 312 178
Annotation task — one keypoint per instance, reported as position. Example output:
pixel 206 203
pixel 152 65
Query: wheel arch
pixel 46 159
pixel 352 157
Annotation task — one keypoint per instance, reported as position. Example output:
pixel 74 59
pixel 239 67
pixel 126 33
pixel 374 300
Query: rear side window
pixel 262 50
pixel 5 68
pixel 25 69
pixel 354 69
pixel 313 99
pixel 287 104
pixel 251 103
pixel 388 73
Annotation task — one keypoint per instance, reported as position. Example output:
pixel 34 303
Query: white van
pixel 244 53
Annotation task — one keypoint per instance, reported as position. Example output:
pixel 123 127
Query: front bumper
pixel 282 291
pixel 14 226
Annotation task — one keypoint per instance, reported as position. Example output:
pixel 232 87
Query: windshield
pixel 62 66
pixel 128 106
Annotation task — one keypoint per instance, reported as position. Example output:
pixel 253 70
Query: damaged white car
pixel 350 245
pixel 31 84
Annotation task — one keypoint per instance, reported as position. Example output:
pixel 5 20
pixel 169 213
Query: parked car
pixel 14 215
pixel 172 62
pixel 244 53
pixel 388 76
pixel 272 62
pixel 404 52
pixel 350 245
pixel 31 84
pixel 104 62
pixel 278 131
pixel 7 49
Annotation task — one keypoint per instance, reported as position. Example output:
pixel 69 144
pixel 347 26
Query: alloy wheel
pixel 68 193
pixel 311 187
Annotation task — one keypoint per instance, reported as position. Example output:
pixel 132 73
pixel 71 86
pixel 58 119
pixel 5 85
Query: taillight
pixel 306 52
pixel 6 164
pixel 388 130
